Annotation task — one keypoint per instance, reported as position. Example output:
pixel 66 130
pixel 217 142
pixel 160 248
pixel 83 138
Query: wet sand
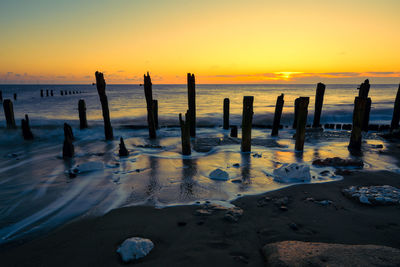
pixel 182 238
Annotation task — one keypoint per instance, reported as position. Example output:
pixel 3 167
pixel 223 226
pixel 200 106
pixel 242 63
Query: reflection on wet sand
pixel 245 170
pixel 189 171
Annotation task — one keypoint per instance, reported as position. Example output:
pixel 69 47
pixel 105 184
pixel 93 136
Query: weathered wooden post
pixel 363 90
pixel 277 115
pixel 296 104
pixel 192 103
pixel 61 92
pixel 123 152
pixel 185 134
pixel 9 113
pixel 148 92
pixel 68 147
pixel 234 131
pixel 51 93
pixel 319 100
pixel 65 92
pixel 360 104
pixel 26 129
pixel 82 114
pixel 366 115
pixel 47 92
pixel 226 113
pixel 15 96
pixel 1 96
pixel 155 112
pixel 101 89
pixel 247 120
pixel 396 112
pixel 301 122
pixel 41 92
pixel 363 93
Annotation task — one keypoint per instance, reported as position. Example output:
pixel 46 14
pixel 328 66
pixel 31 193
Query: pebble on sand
pixel 135 248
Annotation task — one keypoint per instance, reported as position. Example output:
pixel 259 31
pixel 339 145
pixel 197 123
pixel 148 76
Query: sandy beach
pixel 183 238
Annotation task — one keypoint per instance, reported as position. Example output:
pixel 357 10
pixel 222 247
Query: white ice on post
pixel 135 248
pixel 219 174
pixel 290 173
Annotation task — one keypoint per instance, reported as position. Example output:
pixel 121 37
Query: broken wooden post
pixel 82 114
pixel 26 129
pixel 301 122
pixel 226 113
pixel 123 152
pixel 68 147
pixel 101 89
pixel 277 115
pixel 396 112
pixel 363 93
pixel 319 100
pixel 363 90
pixel 247 120
pixel 9 113
pixel 155 113
pixel 148 92
pixel 192 103
pixel 360 104
pixel 15 96
pixel 41 93
pixel 296 104
pixel 234 131
pixel 366 115
pixel 185 134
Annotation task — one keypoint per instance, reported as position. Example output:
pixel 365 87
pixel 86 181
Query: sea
pixel 38 194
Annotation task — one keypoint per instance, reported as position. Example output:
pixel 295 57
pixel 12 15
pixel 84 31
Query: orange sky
pixel 220 41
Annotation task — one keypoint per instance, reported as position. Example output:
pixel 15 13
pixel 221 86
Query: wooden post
pixel 148 92
pixel 15 96
pixel 123 152
pixel 296 104
pixel 26 129
pixel 155 113
pixel 185 134
pixel 363 90
pixel 277 115
pixel 9 113
pixel 101 89
pixel 366 115
pixel 301 122
pixel 68 147
pixel 41 93
pixel 247 120
pixel 51 93
pixel 319 100
pixel 82 114
pixel 192 103
pixel 360 104
pixel 47 92
pixel 234 131
pixel 226 113
pixel 62 93
pixel 1 96
pixel 396 112
pixel 65 92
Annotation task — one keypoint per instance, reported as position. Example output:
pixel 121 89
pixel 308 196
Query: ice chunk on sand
pixel 135 248
pixel 219 174
pixel 290 173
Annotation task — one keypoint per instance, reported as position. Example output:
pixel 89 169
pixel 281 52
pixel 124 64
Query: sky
pixel 220 41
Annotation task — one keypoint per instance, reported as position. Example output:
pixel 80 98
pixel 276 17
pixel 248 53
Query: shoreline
pixel 182 238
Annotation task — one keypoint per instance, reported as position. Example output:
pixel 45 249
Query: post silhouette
pixel 360 104
pixel 15 96
pixel 363 91
pixel 277 115
pixel 185 134
pixel 123 152
pixel 155 113
pixel 319 100
pixel 61 92
pixel 191 84
pixel 367 111
pixel 47 92
pixel 1 96
pixel 234 131
pixel 41 93
pixel 51 93
pixel 148 92
pixel 301 122
pixel 296 104
pixel 26 129
pixel 247 120
pixel 82 114
pixel 9 113
pixel 226 114
pixel 68 147
pixel 101 90
pixel 396 112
